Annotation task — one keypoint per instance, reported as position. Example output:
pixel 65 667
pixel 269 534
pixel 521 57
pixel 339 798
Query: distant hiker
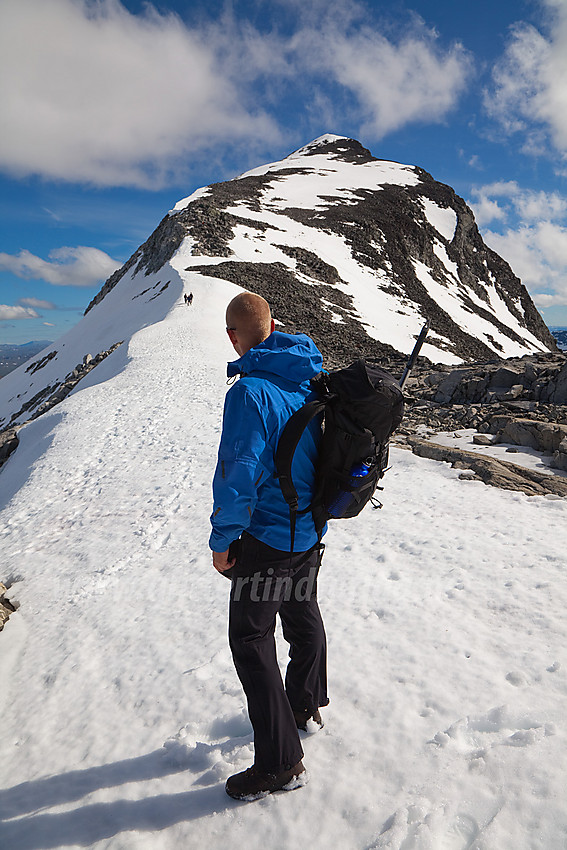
pixel 251 539
pixel 190 298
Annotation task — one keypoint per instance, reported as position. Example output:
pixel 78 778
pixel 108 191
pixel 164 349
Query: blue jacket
pixel 247 495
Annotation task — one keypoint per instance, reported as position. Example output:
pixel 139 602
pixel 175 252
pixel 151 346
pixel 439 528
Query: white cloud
pixel 79 266
pixel 385 82
pixel 37 303
pixel 395 84
pixel 529 91
pixel 9 312
pixel 532 237
pixel 527 205
pixel 486 210
pixel 97 94
pixel 538 255
pixel 94 93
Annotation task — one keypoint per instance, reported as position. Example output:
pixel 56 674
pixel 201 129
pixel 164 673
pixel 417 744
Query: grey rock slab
pixel 492 471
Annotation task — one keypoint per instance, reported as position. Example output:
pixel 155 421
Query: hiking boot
pixel 308 721
pixel 252 784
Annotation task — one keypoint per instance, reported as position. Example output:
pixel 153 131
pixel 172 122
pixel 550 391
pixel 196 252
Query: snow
pixel 203 192
pixel 122 715
pixel 320 175
pixel 443 219
pixel 441 252
pixel 448 297
pixel 124 310
pixel 383 314
pixel 308 180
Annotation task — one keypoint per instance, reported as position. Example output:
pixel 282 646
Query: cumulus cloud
pixel 505 199
pixel 79 266
pixel 395 83
pixel 97 94
pixel 538 255
pixel 8 312
pixel 528 94
pixel 529 229
pixel 382 79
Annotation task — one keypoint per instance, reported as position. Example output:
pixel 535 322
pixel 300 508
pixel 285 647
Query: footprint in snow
pixel 211 753
pixel 474 737
pixel 416 827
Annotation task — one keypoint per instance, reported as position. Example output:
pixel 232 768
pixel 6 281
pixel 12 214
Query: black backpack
pixel 361 406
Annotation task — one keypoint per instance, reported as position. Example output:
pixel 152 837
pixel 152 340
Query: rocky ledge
pixel 517 402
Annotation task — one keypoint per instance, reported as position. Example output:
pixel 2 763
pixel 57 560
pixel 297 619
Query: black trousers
pixel 266 582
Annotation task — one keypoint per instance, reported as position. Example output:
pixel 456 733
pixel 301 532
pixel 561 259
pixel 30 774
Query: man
pixel 251 539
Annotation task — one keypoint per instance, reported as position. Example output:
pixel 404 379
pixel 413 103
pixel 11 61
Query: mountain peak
pixel 353 250
pixel 336 147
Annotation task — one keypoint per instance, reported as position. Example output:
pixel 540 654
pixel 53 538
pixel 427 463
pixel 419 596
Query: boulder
pixel 475 388
pixel 6 607
pixel 448 386
pixel 9 441
pixel 559 460
pixel 484 439
pixel 506 377
pixel 542 436
pixel 513 393
pixel 521 432
pixel 433 379
pixel 552 435
pixel 555 390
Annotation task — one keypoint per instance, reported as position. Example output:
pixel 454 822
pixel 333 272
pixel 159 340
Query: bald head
pixel 249 321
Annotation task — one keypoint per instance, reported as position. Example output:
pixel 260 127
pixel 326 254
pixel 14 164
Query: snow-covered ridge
pixel 122 715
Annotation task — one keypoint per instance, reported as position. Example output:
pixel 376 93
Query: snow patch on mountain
pixel 443 220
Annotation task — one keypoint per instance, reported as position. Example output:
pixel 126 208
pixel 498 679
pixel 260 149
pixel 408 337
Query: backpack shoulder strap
pixel 287 444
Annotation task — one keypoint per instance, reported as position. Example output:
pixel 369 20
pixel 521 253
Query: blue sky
pixel 113 111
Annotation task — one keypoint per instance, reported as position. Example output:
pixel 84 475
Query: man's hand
pixel 221 562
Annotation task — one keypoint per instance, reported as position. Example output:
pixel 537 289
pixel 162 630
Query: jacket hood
pixel 291 356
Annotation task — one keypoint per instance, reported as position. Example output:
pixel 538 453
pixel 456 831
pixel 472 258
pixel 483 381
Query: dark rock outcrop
pixel 501 400
pixel 6 607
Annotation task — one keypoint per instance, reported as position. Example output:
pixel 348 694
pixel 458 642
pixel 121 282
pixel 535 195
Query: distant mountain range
pixel 560 335
pixel 12 356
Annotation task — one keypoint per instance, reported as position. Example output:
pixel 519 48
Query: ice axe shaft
pixel 414 355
